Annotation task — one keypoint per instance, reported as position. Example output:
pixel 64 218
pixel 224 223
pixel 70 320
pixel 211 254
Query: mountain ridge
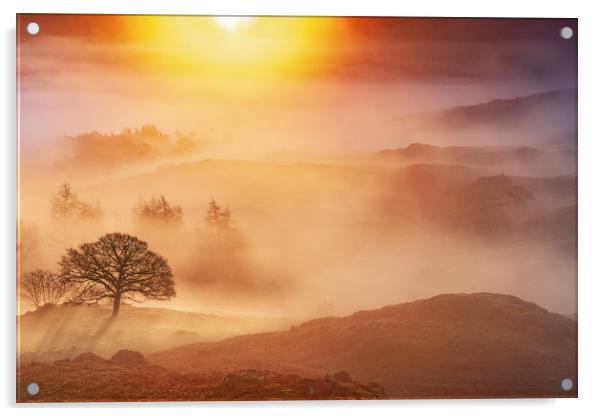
pixel 547 120
pixel 551 94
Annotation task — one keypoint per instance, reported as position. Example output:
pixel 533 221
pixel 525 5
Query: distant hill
pixel 485 155
pixel 480 202
pixel 516 190
pixel 497 110
pixel 506 206
pixel 545 119
pixel 62 331
pixel 511 159
pixel 499 189
pixel 461 345
pixel 127 376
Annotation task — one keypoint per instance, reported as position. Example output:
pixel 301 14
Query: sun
pixel 231 23
pixel 224 49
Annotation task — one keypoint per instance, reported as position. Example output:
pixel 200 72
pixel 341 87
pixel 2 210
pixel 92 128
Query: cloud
pixel 355 49
pixel 84 73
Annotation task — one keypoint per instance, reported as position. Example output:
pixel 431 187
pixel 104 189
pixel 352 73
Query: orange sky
pixel 270 77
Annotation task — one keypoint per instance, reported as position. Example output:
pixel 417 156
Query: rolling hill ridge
pixel 443 346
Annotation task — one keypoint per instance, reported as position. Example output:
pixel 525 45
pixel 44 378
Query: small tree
pixel 66 204
pixel 160 209
pixel 39 287
pixel 115 268
pixel 218 218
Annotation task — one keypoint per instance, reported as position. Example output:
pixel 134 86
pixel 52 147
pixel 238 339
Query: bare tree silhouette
pixel 39 287
pixel 117 267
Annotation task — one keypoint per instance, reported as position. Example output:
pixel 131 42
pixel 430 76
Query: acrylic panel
pixel 295 208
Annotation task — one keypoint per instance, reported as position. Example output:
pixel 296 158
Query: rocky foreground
pixel 452 345
pixel 127 376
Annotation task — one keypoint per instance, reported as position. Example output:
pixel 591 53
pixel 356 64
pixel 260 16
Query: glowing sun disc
pixel 230 23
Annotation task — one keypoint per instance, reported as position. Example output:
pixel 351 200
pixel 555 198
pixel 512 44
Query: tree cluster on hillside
pixel 218 218
pixel 160 209
pixel 220 223
pixel 94 149
pixel 120 267
pixel 66 204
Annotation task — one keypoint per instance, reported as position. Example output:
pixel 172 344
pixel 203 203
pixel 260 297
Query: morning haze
pixel 270 171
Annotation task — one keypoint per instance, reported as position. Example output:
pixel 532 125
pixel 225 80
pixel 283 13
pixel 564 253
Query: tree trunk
pixel 116 305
